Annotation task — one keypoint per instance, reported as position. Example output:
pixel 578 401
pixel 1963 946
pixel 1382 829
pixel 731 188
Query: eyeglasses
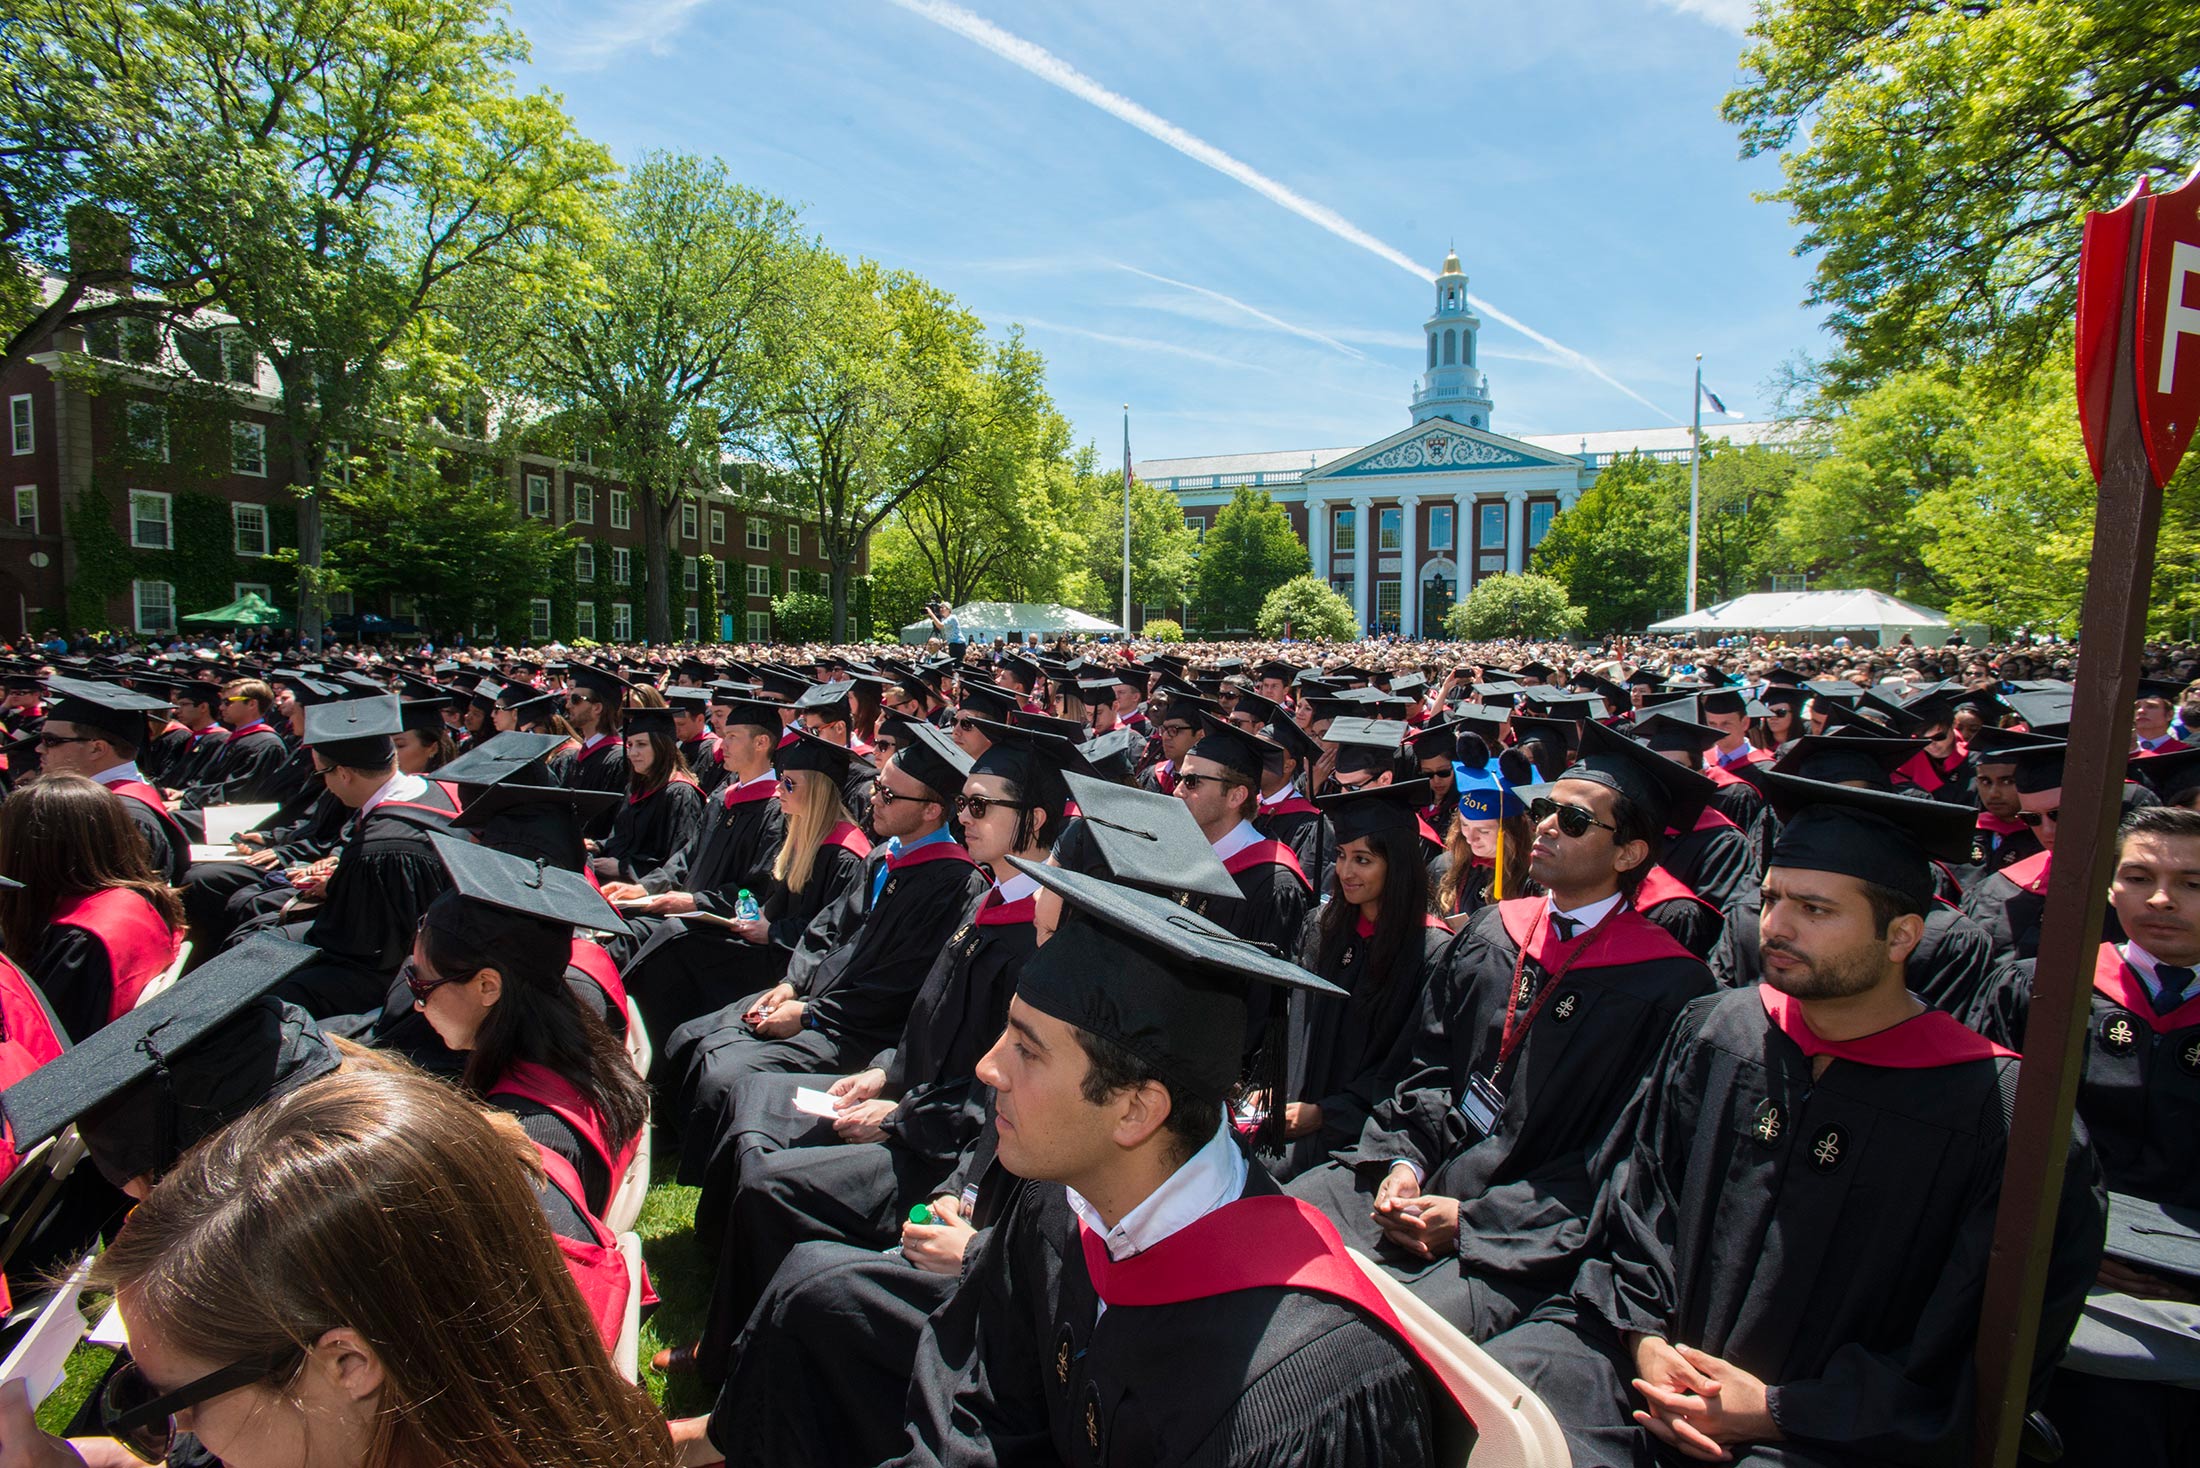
pixel 2040 817
pixel 421 988
pixel 883 794
pixel 975 806
pixel 1176 731
pixel 55 741
pixel 139 1416
pixel 1193 782
pixel 1573 820
pixel 963 723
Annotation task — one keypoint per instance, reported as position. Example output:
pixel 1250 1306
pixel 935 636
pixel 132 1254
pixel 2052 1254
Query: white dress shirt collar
pixel 1211 1177
pixel 1235 840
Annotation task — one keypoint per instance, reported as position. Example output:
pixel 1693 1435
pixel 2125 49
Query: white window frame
pixel 759 627
pixel 26 497
pixel 689 520
pixel 137 606
pixel 247 448
pixel 622 566
pixel 794 539
pixel 1390 526
pixel 584 620
pixel 1448 517
pixel 622 510
pixel 622 621
pixel 690 573
pixel 756 534
pixel 794 581
pixel 584 562
pixel 756 580
pixel 246 373
pixel 340 604
pixel 239 590
pixel 336 461
pixel 240 515
pixel 584 503
pixel 132 412
pixel 538 619
pixel 533 483
pixel 1344 529
pixel 1483 521
pixel 167 518
pixel 717 527
pixel 694 623
pixel 22 424
pixel 718 578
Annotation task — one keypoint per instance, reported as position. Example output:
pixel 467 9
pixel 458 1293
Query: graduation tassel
pixel 1499 880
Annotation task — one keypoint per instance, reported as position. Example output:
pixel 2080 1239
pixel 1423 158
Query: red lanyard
pixel 1511 1040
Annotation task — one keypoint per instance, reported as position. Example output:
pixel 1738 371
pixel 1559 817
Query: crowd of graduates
pixel 1077 1049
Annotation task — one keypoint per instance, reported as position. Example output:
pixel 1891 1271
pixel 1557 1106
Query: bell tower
pixel 1454 386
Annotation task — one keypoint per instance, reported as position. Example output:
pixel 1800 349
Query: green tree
pixel 331 177
pixel 1742 497
pixel 1164 552
pixel 1620 554
pixel 1250 551
pixel 801 616
pixel 1526 606
pixel 1306 608
pixel 441 530
pixel 901 583
pixel 1940 159
pixel 661 345
pixel 890 385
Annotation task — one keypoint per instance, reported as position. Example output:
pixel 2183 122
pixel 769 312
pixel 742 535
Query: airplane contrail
pixel 1053 70
pixel 1253 311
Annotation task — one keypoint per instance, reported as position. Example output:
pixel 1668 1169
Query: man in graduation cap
pixel 2129 1393
pixel 251 764
pixel 2001 838
pixel 386 872
pixel 2009 903
pixel 1220 784
pixel 698 742
pixel 1288 756
pixel 193 701
pixel 1147 1296
pixel 2150 717
pixel 1472 1181
pixel 94 730
pixel 1801 1202
pixel 594 698
pixel 1177 731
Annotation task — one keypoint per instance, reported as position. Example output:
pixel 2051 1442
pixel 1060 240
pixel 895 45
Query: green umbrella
pixel 249 610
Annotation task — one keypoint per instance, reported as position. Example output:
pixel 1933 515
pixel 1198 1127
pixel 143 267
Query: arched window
pixel 1468 357
pixel 1432 349
pixel 1451 346
pixel 1451 297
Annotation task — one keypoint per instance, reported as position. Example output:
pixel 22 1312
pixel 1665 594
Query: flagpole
pixel 1126 519
pixel 1695 476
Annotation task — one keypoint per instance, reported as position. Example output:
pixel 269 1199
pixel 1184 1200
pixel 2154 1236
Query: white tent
pixel 1822 614
pixel 982 621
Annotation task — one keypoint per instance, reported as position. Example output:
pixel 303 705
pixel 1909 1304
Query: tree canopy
pixel 1524 606
pixel 1249 551
pixel 1307 608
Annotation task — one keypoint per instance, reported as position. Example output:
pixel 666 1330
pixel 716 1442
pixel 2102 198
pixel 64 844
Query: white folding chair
pixel 166 976
pixel 626 1198
pixel 1513 1429
pixel 627 1355
pixel 637 1039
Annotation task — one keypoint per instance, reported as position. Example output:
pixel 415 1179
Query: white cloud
pixel 1727 15
pixel 1053 70
pixel 650 24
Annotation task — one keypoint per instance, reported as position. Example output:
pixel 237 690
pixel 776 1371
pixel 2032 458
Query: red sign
pixel 2168 335
pixel 2103 260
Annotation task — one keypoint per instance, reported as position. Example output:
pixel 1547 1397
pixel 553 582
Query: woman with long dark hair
pixel 90 925
pixel 424 744
pixel 1375 938
pixel 664 806
pixel 488 971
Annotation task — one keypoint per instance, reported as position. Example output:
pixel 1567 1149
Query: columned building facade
pixel 1403 526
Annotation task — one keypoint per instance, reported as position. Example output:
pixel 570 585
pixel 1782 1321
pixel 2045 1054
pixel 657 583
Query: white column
pixel 1317 536
pixel 1566 498
pixel 1462 542
pixel 1516 530
pixel 1409 571
pixel 1363 537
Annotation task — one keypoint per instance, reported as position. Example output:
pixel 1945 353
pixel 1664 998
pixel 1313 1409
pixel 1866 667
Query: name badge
pixel 1481 1104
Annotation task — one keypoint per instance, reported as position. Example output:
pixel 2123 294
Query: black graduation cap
pixel 696 668
pixel 1783 695
pixel 1264 710
pixel 1292 740
pixel 1439 740
pixel 502 758
pixel 1873 835
pixel 1093 692
pixel 354 732
pixel 1506 693
pixel 1366 744
pixel 1836 759
pixel 102 706
pixel 1560 737
pixel 1668 733
pixel 2040 767
pixel 1994 746
pixel 1848 716
pixel 531 820
pixel 1644 678
pixel 1537 670
pixel 806 751
pixel 2173 776
pixel 1151 976
pixel 608 687
pixel 1278 669
pixel 197 690
pixel 140 1043
pixel 1557 703
pixel 2168 690
pixel 829 701
pixel 933 760
pixel 1233 748
pixel 694 701
pixel 989 701
pixel 752 713
pixel 1395 807
pixel 536 889
pixel 1723 701
pixel 1669 795
pixel 647 721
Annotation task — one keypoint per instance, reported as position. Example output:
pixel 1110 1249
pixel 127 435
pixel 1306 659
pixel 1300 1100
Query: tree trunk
pixel 312 593
pixel 657 523
pixel 837 555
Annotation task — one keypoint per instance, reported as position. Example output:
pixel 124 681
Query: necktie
pixel 2170 984
pixel 1566 926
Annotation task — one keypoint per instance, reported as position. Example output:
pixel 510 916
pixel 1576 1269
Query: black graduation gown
pixel 1299 824
pixel 160 756
pixel 1526 1190
pixel 1694 923
pixel 600 765
pixel 1022 1366
pixel 1952 965
pixel 1829 1236
pixel 1991 851
pixel 387 873
pixel 249 768
pixel 701 755
pixel 794 1181
pixel 197 757
pixel 1348 1053
pixel 166 845
pixel 1716 861
pixel 72 970
pixel 1270 909
pixel 545 1128
pixel 733 847
pixel 647 832
pixel 2009 904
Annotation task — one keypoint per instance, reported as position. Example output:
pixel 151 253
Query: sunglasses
pixel 55 741
pixel 1193 782
pixel 1573 820
pixel 2040 817
pixel 421 988
pixel 975 806
pixel 883 794
pixel 139 1416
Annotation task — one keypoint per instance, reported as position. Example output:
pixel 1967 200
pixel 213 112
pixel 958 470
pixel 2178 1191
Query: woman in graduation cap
pixel 1375 939
pixel 90 924
pixel 663 809
pixel 424 742
pixel 488 973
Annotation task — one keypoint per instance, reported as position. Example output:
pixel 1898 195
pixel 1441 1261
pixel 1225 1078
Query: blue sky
pixel 1572 149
